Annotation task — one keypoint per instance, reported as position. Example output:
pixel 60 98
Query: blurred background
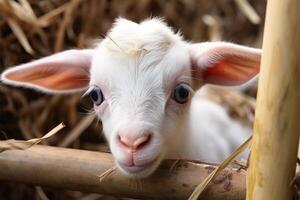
pixel 30 29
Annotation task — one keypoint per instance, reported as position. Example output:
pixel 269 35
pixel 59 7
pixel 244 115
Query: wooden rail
pixel 79 170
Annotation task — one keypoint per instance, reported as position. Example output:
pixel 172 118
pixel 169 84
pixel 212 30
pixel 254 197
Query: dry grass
pixel 203 185
pixel 30 29
pixel 12 144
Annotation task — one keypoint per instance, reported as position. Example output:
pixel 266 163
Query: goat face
pixel 144 83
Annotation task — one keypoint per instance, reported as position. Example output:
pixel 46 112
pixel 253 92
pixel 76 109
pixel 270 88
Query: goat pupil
pixel 94 95
pixel 181 94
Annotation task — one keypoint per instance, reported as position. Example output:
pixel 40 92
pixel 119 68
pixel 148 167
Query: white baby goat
pixel 142 78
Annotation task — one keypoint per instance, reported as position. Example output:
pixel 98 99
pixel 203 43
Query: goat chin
pixel 142 171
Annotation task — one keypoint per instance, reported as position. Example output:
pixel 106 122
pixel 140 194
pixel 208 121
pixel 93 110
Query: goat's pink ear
pixel 63 72
pixel 223 63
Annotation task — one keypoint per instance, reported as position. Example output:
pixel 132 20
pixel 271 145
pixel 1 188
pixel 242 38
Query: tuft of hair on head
pixel 132 39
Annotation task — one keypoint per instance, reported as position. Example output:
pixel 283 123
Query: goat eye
pixel 97 96
pixel 181 93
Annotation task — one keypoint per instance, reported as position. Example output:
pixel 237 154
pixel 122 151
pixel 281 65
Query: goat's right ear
pixel 224 63
pixel 64 72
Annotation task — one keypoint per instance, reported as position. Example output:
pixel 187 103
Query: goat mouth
pixel 135 169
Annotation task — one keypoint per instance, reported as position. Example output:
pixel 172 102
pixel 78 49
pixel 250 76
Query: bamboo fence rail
pixel 80 170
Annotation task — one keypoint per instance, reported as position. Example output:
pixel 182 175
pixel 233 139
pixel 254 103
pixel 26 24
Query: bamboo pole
pixel 79 170
pixel 277 125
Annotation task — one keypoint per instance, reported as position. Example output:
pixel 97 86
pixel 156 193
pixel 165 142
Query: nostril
pixel 125 141
pixel 134 143
pixel 141 142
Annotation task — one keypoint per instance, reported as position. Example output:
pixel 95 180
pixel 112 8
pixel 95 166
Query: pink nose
pixel 134 143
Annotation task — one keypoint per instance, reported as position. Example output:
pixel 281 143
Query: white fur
pixel 137 66
pixel 209 134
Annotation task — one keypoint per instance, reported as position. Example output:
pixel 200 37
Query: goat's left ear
pixel 63 72
pixel 223 63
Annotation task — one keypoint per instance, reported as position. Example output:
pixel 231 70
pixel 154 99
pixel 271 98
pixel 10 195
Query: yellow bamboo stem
pixel 277 122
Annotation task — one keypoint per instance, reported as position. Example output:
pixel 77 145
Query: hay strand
pixel 203 185
pixel 21 145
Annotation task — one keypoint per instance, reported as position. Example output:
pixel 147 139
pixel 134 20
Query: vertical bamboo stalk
pixel 277 122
